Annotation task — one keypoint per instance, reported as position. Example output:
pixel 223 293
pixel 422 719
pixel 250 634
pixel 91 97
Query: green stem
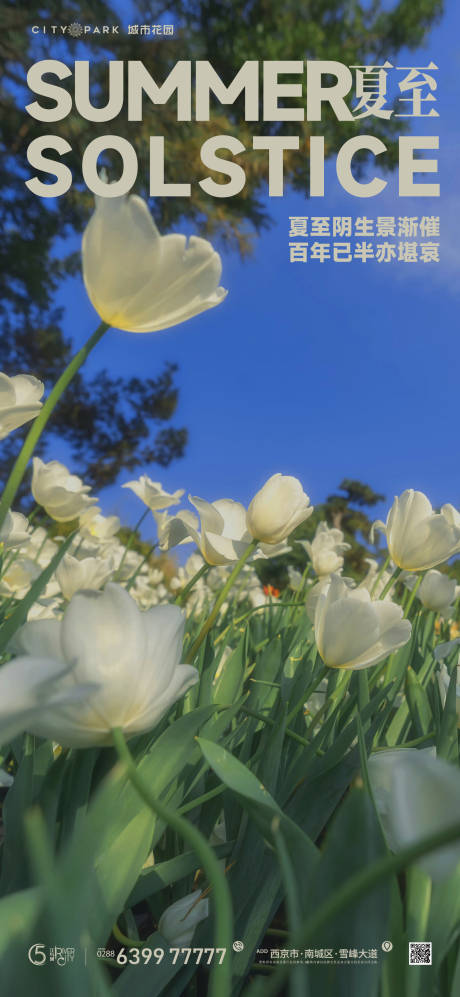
pixel 412 595
pixel 390 582
pixel 379 574
pixel 138 570
pixel 354 888
pixel 308 691
pixel 180 599
pixel 221 975
pixel 131 943
pixel 220 600
pixel 40 422
pixel 199 800
pixel 272 723
pixel 271 605
pixel 363 693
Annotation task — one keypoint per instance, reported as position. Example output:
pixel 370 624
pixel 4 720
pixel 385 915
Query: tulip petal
pixel 112 642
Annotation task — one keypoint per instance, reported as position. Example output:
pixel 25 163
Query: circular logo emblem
pixel 387 946
pixel 238 946
pixel 36 954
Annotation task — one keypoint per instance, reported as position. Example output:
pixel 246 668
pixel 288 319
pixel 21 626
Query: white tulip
pixel 370 582
pixel 40 547
pixel 178 922
pixel 15 530
pixel 436 591
pixel 417 537
pixel 326 549
pixel 133 657
pixel 424 800
pixel 152 493
pixel 381 767
pixel 30 687
pixel 19 401
pixel 352 631
pixel 18 576
pixel 140 281
pixel 94 524
pixel 315 590
pixel 89 573
pixel 175 530
pixel 223 537
pixel 62 494
pixel 276 510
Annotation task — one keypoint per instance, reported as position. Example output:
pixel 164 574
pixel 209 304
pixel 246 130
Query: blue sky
pixel 321 371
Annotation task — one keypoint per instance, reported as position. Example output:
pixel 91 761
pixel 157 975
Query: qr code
pixel 419 953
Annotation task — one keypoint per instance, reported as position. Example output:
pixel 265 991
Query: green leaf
pixel 419 705
pixel 237 777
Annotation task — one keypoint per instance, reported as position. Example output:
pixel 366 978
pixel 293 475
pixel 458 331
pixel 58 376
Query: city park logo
pixel 75 29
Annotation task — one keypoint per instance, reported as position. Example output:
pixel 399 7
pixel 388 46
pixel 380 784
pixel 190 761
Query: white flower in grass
pixel 62 494
pixel 133 657
pixel 436 591
pixel 276 510
pixel 178 922
pixel 89 573
pixel 19 401
pixel 153 494
pixel 176 530
pixel 417 795
pixel 326 549
pixel 139 280
pixel 370 582
pixel 18 576
pixel 15 530
pixel 380 767
pixel 352 631
pixel 32 688
pixel 93 525
pixel 223 536
pixel 419 538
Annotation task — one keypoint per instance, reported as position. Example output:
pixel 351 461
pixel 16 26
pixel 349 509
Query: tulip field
pixel 211 787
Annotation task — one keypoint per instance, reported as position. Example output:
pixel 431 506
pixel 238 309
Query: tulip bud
pixel 277 509
pixel 326 549
pixel 437 591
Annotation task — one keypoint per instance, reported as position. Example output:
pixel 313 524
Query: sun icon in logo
pixel 75 29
